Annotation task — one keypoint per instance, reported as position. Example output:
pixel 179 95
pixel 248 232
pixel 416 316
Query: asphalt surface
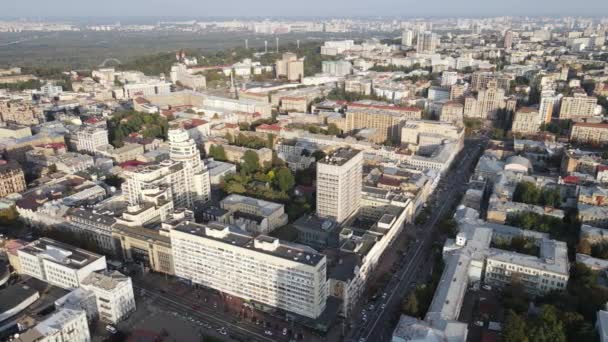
pixel 378 325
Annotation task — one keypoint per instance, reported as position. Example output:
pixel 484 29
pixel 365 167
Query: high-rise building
pixel 261 269
pixel 407 38
pixel 449 78
pixel 427 42
pixel 290 66
pixel 508 39
pixel 183 149
pixel 547 104
pixel 589 133
pixel 577 106
pixel 165 181
pixel 12 179
pixel 486 105
pixel 339 183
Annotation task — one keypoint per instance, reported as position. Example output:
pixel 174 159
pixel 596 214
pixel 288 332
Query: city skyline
pixel 274 8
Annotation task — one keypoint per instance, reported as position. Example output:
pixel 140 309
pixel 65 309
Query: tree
pixel 515 328
pixel 285 179
pixel 584 247
pixel 217 152
pixel 250 163
pixel 547 327
pixel 410 306
pixel 332 129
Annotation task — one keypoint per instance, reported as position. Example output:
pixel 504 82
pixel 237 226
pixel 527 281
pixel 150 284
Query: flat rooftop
pixel 340 156
pixel 60 253
pixel 263 244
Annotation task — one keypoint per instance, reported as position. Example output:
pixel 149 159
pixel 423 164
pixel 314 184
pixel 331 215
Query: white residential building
pixel 152 87
pixel 183 149
pixel 114 294
pixel 180 73
pixel 339 183
pixel 264 270
pixel 88 139
pixel 336 68
pixel 59 264
pixel 64 325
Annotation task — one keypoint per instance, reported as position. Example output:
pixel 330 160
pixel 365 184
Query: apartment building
pixel 407 38
pixel 577 106
pixel 487 103
pixel 547 105
pixel 114 294
pixel 59 264
pixel 183 149
pixel 589 133
pixel 88 139
pixel 97 226
pixel 290 66
pixel 452 111
pixel 64 325
pixel 261 269
pixel 427 42
pixel 385 120
pixel 12 179
pixel 336 68
pixel 339 183
pixel 20 112
pixel 481 79
pixel 150 248
pixel 254 215
pixel 526 120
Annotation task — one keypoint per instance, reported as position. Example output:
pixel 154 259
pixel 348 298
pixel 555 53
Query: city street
pixel 379 323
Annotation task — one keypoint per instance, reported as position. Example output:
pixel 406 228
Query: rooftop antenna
pixel 277 44
pixel 265 46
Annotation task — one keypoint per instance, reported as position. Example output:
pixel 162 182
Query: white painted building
pixel 59 264
pixel 263 270
pixel 114 294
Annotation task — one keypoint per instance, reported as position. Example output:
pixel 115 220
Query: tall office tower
pixel 488 101
pixel 407 38
pixel 508 39
pixel 339 184
pixel 547 103
pixel 262 269
pixel 183 149
pixel 427 42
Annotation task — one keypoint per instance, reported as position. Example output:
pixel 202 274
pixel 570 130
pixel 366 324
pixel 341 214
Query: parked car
pixel 111 329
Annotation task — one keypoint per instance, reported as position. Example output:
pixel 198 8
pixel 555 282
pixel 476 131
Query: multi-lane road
pixel 378 325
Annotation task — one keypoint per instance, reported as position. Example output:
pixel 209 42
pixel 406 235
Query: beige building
pixel 12 179
pixel 426 133
pixel 263 269
pixel 20 112
pixel 589 133
pixel 578 106
pixel 452 111
pixel 457 91
pixel 487 103
pixel 526 120
pixel 339 183
pixel 386 120
pixel 148 247
pixel 234 154
pixel 290 66
pixel 297 104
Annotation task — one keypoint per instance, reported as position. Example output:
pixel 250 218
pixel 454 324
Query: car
pixel 384 295
pixel 479 323
pixel 111 329
pixel 487 287
pixel 268 332
pixel 284 331
pixel 364 319
pixel 258 322
pixel 362 339
pixel 383 306
pixel 223 332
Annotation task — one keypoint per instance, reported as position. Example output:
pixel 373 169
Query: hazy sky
pixel 230 8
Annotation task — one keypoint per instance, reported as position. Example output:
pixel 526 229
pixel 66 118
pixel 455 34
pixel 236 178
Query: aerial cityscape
pixel 261 175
